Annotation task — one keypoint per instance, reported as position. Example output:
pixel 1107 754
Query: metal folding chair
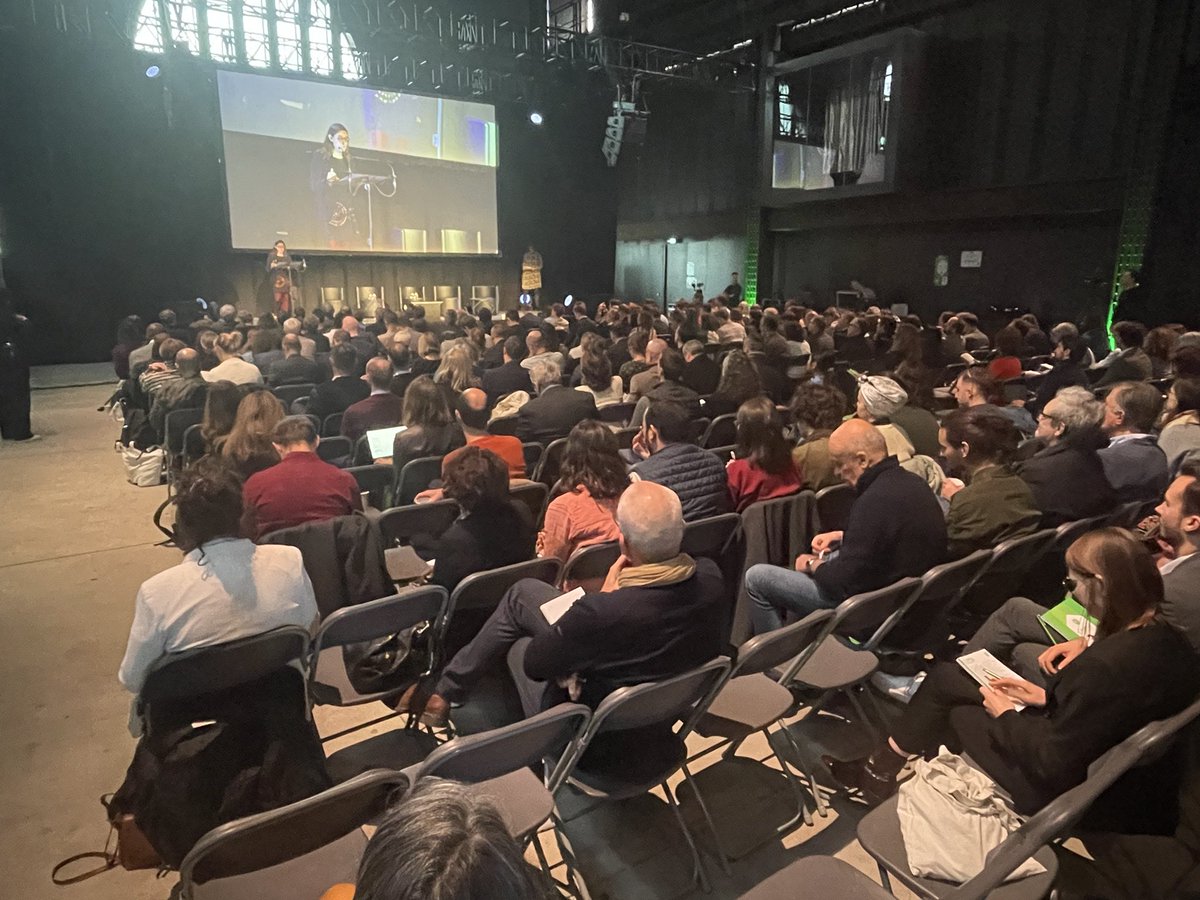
pixel 588 566
pixel 416 476
pixel 551 463
pixel 720 431
pixel 289 393
pixel 833 506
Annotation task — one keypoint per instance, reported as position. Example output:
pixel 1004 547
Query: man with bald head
pixel 365 344
pixel 187 390
pixel 642 383
pixel 294 368
pixel 471 410
pixel 896 529
pixel 380 409
pixel 658 614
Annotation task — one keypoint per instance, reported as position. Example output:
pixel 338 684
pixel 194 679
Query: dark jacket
pixel 1068 480
pixel 1136 468
pixel 674 392
pixel 630 636
pixel 995 506
pixel 336 396
pixel 921 427
pixel 896 529
pixel 702 374
pixel 419 440
pixel 295 370
pixel 1064 374
pixel 1131 365
pixel 554 413
pixel 488 538
pixel 774 532
pixel 376 411
pixel 696 475
pixel 505 379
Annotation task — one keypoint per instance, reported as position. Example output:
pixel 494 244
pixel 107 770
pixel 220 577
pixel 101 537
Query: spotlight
pixel 536 118
pixel 153 72
pixel 672 240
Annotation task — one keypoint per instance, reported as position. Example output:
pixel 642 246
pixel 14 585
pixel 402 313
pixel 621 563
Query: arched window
pixel 292 35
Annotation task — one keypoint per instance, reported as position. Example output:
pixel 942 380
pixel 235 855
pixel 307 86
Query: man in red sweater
pixel 300 488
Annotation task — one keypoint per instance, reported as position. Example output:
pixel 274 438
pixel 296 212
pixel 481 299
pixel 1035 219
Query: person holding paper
pixel 1138 670
pixel 659 613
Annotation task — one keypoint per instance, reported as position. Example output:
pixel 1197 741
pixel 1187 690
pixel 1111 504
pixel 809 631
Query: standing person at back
pixel 668 456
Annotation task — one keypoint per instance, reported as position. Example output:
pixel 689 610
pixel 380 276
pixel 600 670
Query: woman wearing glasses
pixel 1137 670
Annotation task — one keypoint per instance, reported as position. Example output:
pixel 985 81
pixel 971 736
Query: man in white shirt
pixel 535 342
pixel 225 588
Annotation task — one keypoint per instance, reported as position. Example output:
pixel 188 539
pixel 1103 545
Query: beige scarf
pixel 659 574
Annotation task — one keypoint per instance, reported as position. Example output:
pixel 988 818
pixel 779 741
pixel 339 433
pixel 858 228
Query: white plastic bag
pixel 951 817
pixel 145 468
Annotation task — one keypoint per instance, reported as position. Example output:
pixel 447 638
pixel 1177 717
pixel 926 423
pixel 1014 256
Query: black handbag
pixel 390 663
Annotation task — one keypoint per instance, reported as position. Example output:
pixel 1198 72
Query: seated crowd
pixel 947 445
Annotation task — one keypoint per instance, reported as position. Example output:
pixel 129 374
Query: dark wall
pixel 112 198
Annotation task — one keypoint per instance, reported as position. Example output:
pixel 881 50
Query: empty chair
pixel 400 524
pixel 175 427
pixel 335 450
pixel 551 463
pixel 1044 582
pixel 289 393
pixel 193 445
pixel 721 431
pixel 373 480
pixel 833 506
pixel 927 624
pixel 416 476
pixel 533 495
pixel 1010 563
pixel 617 413
pixel 477 595
pixel 589 565
pixel 331 425
pixel 298 850
pixel 533 455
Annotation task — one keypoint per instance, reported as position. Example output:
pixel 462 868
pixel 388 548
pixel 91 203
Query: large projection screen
pixel 418 174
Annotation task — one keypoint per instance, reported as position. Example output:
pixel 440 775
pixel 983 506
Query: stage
pixel 72 375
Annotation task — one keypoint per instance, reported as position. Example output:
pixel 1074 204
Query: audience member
pixel 879 397
pixel 231 366
pixel 919 425
pixel 379 409
pixel 455 372
pixel 817 409
pixel 343 390
pixel 129 338
pixel 974 387
pixel 141 356
pixel 1138 670
pixel 739 382
pixel 187 390
pixel 430 426
pixel 670 387
pixel 470 409
pixel 583 506
pixel 1006 363
pixel 1160 346
pixel 1134 464
pixel 294 367
pixel 1180 434
pixel 509 376
pixel 537 343
pixel 700 371
pixel 308 346
pixel 300 488
pixel 365 344
pixel 669 456
pixel 598 380
pixel 556 409
pixel 763 468
pixel 159 374
pixel 1066 475
pixel 636 347
pixel 995 504
pixel 1069 370
pixel 896 529
pixel 1129 361
pixel 641 383
pixel 264 343
pixel 249 448
pixel 220 412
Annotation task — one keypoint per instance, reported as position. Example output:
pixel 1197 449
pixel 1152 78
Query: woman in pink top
pixel 591 480
pixel 763 468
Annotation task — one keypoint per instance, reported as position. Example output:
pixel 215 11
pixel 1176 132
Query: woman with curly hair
pixel 584 508
pixel 817 410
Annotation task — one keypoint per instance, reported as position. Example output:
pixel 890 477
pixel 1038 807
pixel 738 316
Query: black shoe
pixel 857 774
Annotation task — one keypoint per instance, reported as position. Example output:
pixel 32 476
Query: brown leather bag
pixel 133 850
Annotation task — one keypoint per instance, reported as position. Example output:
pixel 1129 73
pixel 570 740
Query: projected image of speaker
pixel 370 300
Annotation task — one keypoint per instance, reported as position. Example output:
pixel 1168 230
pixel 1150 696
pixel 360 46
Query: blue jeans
pixel 774 590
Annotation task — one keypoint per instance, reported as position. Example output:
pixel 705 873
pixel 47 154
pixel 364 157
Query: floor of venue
pixel 74 547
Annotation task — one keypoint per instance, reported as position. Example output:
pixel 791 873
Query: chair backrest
pixel 617 413
pixel 1010 561
pixel 222 666
pixel 723 453
pixel 483 590
pixel 400 524
pixel 709 537
pixel 288 393
pixel 625 437
pixel 533 455
pixel 329 679
pixel 720 431
pixel 193 444
pixel 373 479
pixel 175 424
pixel 331 425
pixel 533 495
pixel 1056 817
pixel 875 611
pixel 415 477
pixel 480 757
pixel 551 463
pixel 1069 532
pixel 589 565
pixel 942 587
pixel 332 448
pixel 833 506
pixel 330 821
pixel 772 649
pixel 506 425
pixel 1129 514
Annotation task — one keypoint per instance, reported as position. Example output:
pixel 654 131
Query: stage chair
pixel 334 296
pixel 448 295
pixel 370 300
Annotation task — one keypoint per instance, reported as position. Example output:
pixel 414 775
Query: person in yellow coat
pixel 531 273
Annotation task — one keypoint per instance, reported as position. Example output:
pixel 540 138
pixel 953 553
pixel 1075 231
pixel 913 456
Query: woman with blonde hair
pixel 249 449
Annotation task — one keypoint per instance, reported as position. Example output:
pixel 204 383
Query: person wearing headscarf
pixel 878 398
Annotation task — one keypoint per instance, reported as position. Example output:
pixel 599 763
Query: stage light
pixel 153 72
pixel 536 118
pixel 672 240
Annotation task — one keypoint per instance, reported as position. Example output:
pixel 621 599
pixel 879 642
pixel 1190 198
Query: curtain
pixel 855 118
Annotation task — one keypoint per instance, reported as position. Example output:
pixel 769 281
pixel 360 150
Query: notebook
pixel 1067 621
pixel 984 668
pixel 555 609
pixel 381 439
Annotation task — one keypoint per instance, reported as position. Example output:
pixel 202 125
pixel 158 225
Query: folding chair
pixel 480 594
pixel 175 426
pixel 551 463
pixel 332 449
pixel 499 765
pixel 416 476
pixel 533 455
pixel 193 445
pixel 748 700
pixel 331 425
pixel 330 681
pixel 720 431
pixel 725 453
pixel 588 566
pixel 927 624
pixel 833 506
pixel 1011 561
pixel 625 437
pixel 1129 514
pixel 373 480
pixel 617 413
pixel 294 851
pixel 506 425
pixel 289 393
pixel 1044 583
pixel 400 524
pixel 684 697
pixel 710 537
pixel 533 495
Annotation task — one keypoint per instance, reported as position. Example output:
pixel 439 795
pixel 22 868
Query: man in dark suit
pixel 700 372
pixel 556 409
pixel 1134 464
pixel 345 388
pixel 510 376
pixel 294 368
pixel 382 409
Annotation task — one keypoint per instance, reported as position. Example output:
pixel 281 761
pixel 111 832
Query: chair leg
pixel 885 880
pixel 801 803
pixel 722 856
pixel 574 879
pixel 698 871
pixel 806 770
pixel 861 712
